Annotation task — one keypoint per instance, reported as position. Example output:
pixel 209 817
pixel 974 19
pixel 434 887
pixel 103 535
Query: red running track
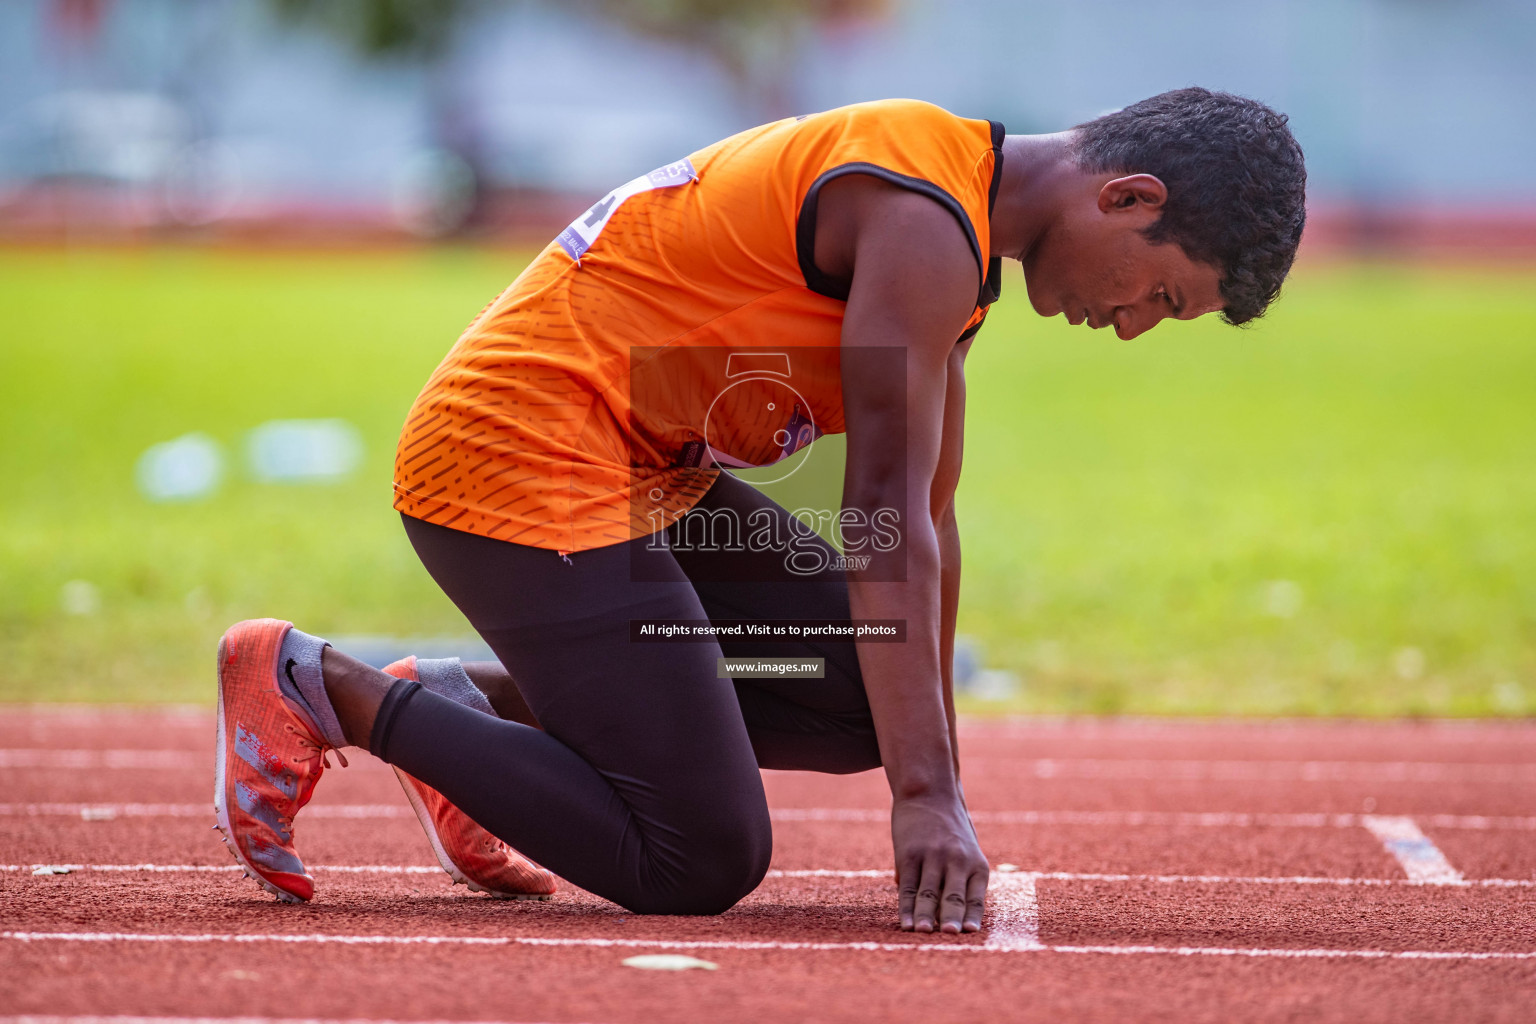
pixel 1147 870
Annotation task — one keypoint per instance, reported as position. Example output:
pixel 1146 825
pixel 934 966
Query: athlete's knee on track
pixel 729 869
pixel 737 869
pixel 727 863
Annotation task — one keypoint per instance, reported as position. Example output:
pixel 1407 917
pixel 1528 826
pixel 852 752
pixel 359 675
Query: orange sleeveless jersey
pixel 679 324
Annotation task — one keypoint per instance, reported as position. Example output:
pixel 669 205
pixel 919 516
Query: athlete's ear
pixel 1145 190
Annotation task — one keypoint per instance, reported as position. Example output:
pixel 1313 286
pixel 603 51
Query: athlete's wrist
pixel 935 782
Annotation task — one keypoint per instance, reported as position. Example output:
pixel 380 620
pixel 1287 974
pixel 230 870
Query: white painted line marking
pixel 1465 883
pixel 887 873
pixel 877 873
pixel 214 1020
pixel 1118 819
pixel 1013 914
pixel 107 812
pixel 947 944
pixel 356 869
pixel 1115 819
pixel 1295 954
pixel 1416 852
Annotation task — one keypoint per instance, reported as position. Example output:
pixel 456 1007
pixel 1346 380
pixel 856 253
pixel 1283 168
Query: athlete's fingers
pixel 975 901
pixel 930 885
pixel 952 906
pixel 907 877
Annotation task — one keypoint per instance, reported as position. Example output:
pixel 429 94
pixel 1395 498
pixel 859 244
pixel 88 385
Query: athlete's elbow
pixel 944 516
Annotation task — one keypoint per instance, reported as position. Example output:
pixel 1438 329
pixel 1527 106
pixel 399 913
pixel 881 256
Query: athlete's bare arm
pixel 942 502
pixel 913 286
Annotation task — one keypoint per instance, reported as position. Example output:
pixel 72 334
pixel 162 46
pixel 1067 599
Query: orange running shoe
pixel 268 760
pixel 466 851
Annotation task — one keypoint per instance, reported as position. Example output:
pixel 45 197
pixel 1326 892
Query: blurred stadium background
pixel 217 214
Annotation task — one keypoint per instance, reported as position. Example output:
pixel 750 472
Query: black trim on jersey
pixel 970 332
pixel 805 226
pixel 991 269
pixel 992 287
pixel 998 133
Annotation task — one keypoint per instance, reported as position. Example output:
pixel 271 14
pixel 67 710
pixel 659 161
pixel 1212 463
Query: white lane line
pixel 1001 874
pixel 1465 883
pixel 947 944
pixel 1040 768
pixel 1013 913
pixel 33 1019
pixel 356 869
pixel 109 811
pixel 1116 819
pixel 999 877
pixel 1203 819
pixel 1416 852
pixel 1294 954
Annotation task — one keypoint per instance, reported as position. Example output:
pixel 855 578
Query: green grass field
pixel 1332 513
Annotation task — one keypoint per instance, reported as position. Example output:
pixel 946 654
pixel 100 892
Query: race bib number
pixel 578 238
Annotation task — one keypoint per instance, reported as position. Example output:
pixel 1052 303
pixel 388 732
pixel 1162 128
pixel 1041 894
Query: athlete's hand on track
pixel 941 873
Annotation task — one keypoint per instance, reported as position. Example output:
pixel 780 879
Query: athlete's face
pixel 1095 266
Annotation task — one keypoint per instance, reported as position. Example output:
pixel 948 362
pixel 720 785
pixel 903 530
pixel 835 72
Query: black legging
pixel 643 786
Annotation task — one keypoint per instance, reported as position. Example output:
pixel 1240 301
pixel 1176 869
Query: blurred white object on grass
pixel 1509 697
pixel 967 662
pixel 1282 598
pixel 303 451
pixel 972 679
pixel 80 597
pixel 187 468
pixel 1409 663
pixel 994 684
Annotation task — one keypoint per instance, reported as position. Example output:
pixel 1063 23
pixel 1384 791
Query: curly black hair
pixel 1236 184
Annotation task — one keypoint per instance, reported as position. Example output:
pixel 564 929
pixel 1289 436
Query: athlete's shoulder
pixel 879 121
pixel 893 111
